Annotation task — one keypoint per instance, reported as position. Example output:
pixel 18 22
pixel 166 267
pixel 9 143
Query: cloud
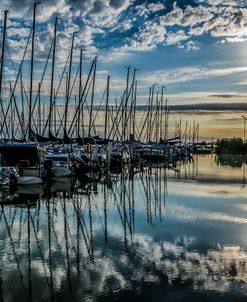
pixel 117 4
pixel 224 2
pixel 148 37
pixel 235 39
pixel 146 9
pixel 155 7
pixel 205 108
pixel 145 263
pixel 18 32
pixel 175 37
pixel 118 29
pixel 98 12
pixel 223 21
pixel 180 212
pixel 146 25
pixel 190 45
pixel 24 8
pixel 227 96
pixel 189 73
pixel 191 16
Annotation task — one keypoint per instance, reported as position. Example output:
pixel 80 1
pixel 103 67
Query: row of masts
pixel 122 121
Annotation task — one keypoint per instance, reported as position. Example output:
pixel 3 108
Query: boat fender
pixel 89 148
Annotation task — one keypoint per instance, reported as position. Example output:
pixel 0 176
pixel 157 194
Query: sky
pixel 196 48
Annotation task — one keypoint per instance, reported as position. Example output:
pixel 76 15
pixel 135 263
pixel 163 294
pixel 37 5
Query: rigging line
pixel 42 7
pixel 71 90
pixel 96 114
pixel 42 77
pixel 51 38
pixel 101 222
pixel 61 123
pixel 58 62
pixel 10 57
pixel 59 115
pixel 13 218
pixel 117 126
pixel 128 117
pixel 68 227
pixel 84 232
pixel 143 115
pixel 39 248
pixel 81 217
pixel 125 106
pixel 154 117
pixel 13 90
pixel 83 103
pixel 56 237
pixel 56 93
pixel 14 252
pixel 1 28
pixel 117 119
pixel 74 82
pixel 147 112
pixel 124 192
pixel 122 216
pixel 127 93
pixel 83 94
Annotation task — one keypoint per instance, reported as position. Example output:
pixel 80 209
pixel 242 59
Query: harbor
pixel 39 144
pixel 123 151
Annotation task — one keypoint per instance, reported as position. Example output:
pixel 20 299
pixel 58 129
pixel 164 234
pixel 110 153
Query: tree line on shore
pixel 233 145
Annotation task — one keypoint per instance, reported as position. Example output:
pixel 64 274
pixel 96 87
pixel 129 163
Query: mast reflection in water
pixel 122 237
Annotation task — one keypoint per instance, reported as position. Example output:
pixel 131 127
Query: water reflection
pixel 232 160
pixel 122 237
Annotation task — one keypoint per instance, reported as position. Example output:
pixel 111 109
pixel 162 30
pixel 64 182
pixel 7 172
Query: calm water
pixel 152 235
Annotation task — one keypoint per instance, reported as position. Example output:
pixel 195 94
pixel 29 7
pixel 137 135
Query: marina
pixel 36 147
pixel 123 151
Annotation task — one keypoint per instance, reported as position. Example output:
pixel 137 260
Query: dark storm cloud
pixel 117 3
pixel 205 107
pixel 227 96
pixel 96 6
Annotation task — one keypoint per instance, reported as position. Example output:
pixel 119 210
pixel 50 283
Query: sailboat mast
pixel 151 114
pixel 106 106
pixel 39 109
pixel 2 58
pixel 92 98
pixel 52 73
pixel 134 110
pixel 131 122
pixel 55 116
pixel 124 114
pixel 68 86
pixel 157 117
pixel 31 70
pixel 11 115
pixel 80 93
pixel 161 112
pixel 22 102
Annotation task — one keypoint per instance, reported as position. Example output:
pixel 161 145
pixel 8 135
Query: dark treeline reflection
pixel 232 160
pixel 101 238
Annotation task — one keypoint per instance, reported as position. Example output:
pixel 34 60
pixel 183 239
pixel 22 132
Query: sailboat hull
pixel 60 171
pixel 29 180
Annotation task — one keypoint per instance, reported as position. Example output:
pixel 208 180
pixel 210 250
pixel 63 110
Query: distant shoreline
pixel 196 107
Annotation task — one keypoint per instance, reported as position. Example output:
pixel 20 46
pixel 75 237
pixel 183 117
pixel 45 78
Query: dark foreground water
pixel 153 235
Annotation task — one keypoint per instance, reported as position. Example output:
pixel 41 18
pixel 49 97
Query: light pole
pixel 244 126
